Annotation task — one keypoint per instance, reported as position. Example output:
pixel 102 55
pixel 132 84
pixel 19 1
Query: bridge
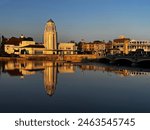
pixel 126 60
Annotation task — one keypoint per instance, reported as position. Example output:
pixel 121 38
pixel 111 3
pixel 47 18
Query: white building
pixel 50 38
pixel 67 48
pixel 125 45
pixel 22 46
pixel 139 44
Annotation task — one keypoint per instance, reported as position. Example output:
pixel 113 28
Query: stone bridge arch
pixel 105 60
pixel 144 63
pixel 123 61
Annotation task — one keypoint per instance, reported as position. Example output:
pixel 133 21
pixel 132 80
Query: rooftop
pixel 121 40
pixel 16 41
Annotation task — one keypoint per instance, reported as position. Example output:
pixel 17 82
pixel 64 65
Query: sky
pixel 76 19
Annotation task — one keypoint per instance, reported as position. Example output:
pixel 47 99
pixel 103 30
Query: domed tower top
pixel 50 21
pixel 50 26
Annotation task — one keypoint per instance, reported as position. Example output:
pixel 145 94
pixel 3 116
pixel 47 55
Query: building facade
pixel 108 48
pixel 67 48
pixel 50 38
pixel 135 45
pixel 124 45
pixel 22 45
pixel 120 45
pixel 96 47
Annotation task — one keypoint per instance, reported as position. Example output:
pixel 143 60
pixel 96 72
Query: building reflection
pixel 126 71
pixel 66 68
pixel 50 71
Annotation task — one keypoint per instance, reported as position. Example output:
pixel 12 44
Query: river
pixel 47 87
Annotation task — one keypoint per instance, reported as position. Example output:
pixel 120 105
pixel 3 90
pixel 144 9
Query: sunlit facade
pixel 96 47
pixel 139 44
pixel 50 38
pixel 22 45
pixel 67 48
pixel 124 45
pixel 120 45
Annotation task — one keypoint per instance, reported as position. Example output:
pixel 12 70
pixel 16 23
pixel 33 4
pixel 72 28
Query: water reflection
pixel 50 77
pixel 50 70
pixel 122 71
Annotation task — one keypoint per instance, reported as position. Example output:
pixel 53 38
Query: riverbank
pixel 11 58
pixel 66 58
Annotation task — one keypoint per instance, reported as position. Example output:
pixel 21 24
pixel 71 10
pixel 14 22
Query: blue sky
pixel 76 19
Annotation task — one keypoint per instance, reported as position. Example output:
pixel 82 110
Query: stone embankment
pixel 65 58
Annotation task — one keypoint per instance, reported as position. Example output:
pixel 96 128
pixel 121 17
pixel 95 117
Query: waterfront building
pixel 23 45
pixel 96 47
pixel 135 45
pixel 12 45
pixel 124 45
pixel 50 38
pixel 67 48
pixel 120 45
pixel 108 48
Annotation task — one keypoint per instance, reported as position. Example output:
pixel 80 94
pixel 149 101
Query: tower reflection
pixel 50 77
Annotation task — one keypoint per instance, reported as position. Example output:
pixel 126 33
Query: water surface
pixel 65 87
